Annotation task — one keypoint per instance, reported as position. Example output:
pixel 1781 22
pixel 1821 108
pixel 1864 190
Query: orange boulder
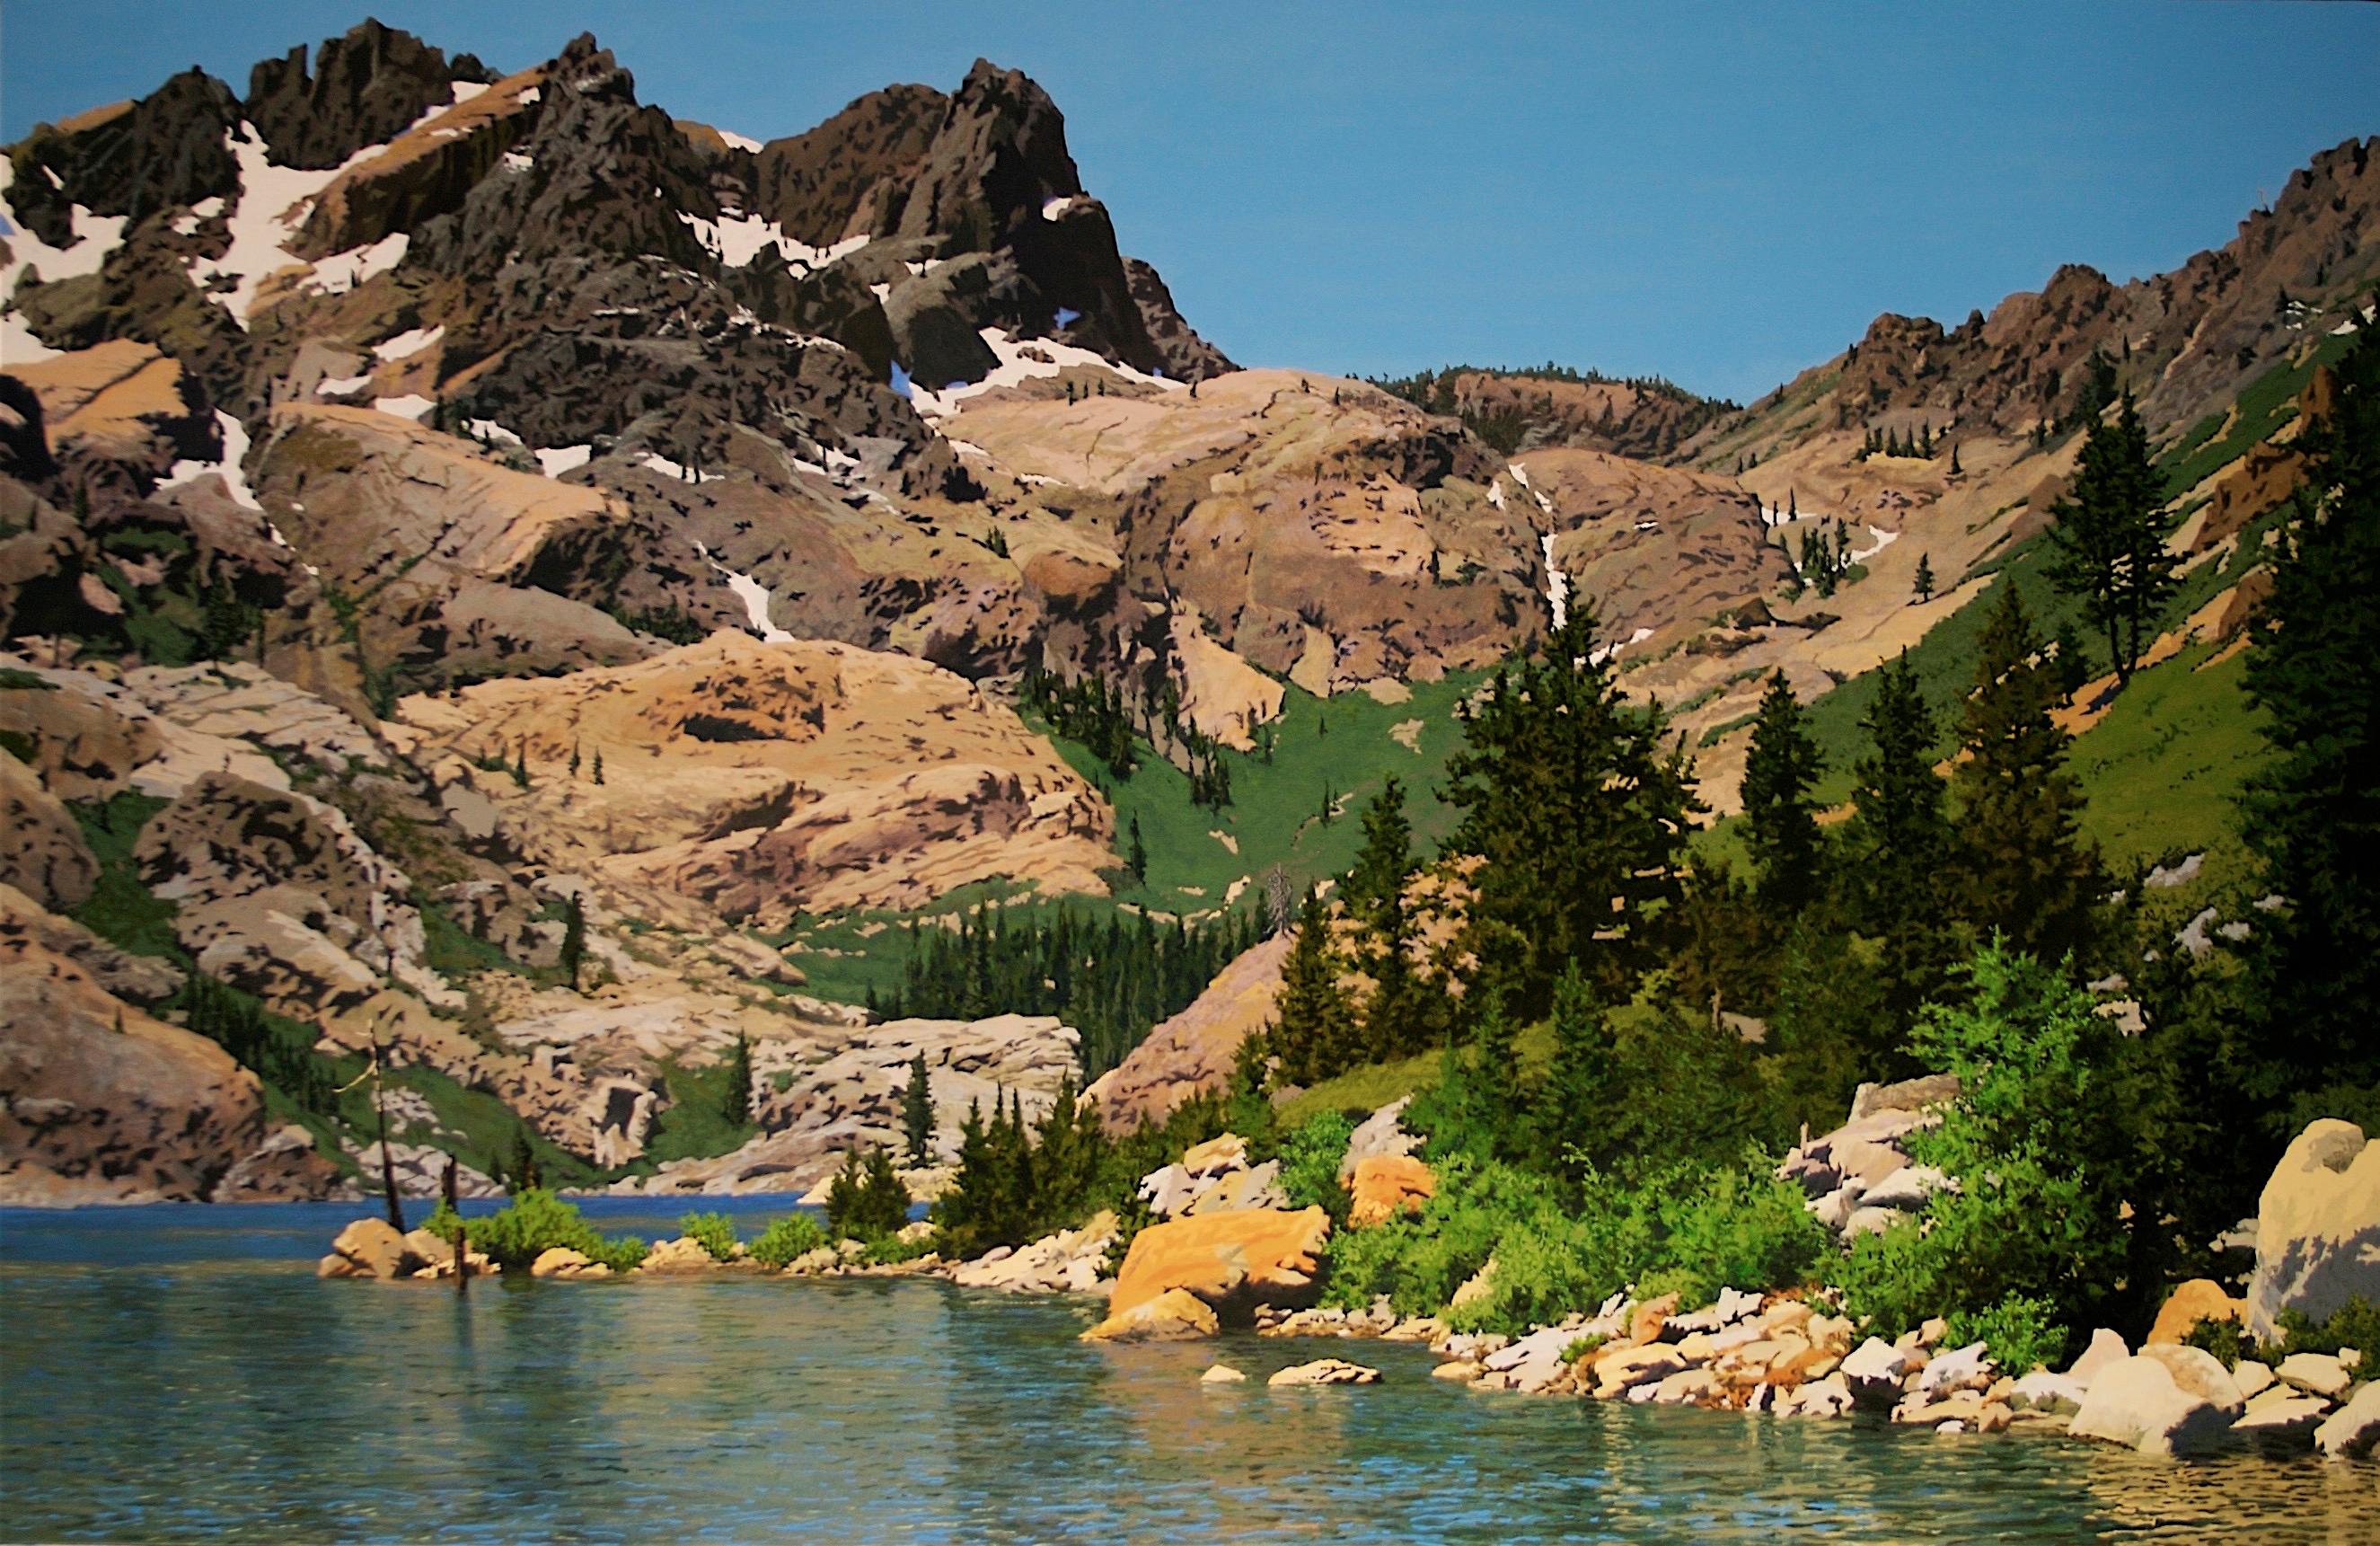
pixel 1386 1185
pixel 2199 1299
pixel 1230 1260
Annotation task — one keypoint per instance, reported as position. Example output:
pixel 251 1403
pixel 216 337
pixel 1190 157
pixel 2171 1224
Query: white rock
pixel 1907 1187
pixel 2293 1416
pixel 1874 1365
pixel 2044 1392
pixel 1965 1369
pixel 2166 1401
pixel 2317 1374
pixel 1221 1374
pixel 2107 1349
pixel 2317 1227
pixel 2252 1378
pixel 2354 1427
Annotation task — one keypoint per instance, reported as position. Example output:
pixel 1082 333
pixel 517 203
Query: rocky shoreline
pixel 1225 1249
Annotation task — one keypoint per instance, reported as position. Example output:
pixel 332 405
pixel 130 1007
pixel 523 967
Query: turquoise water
pixel 179 1373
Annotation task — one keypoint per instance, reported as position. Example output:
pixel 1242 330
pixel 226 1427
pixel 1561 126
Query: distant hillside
pixel 1643 417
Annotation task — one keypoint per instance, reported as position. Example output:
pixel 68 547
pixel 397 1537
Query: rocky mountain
pixel 537 594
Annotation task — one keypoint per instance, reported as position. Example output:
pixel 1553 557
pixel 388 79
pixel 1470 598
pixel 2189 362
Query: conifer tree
pixel 1780 818
pixel 2314 812
pixel 735 1103
pixel 1578 812
pixel 2110 538
pixel 2073 662
pixel 573 759
pixel 1137 858
pixel 1585 1078
pixel 1897 840
pixel 917 1113
pixel 1312 1029
pixel 574 939
pixel 520 765
pixel 599 764
pixel 1954 461
pixel 1402 1016
pixel 2025 869
pixel 1924 582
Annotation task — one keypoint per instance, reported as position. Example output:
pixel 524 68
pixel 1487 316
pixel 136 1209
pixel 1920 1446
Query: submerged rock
pixel 1326 1371
pixel 1174 1315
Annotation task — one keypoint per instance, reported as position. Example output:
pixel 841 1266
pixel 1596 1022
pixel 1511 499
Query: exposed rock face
pixel 121 401
pixel 1646 420
pixel 761 778
pixel 1649 547
pixel 1192 1052
pixel 1385 1186
pixel 42 852
pixel 142 979
pixel 2317 1228
pixel 102 1103
pixel 2198 1300
pixel 132 159
pixel 367 86
pixel 1188 356
pixel 1232 1260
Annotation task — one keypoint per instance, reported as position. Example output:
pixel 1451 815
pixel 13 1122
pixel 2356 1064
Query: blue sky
pixel 1720 194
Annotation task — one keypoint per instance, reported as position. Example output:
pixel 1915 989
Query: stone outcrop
pixel 1385 1186
pixel 1191 1052
pixel 43 853
pixel 1232 1260
pixel 1070 1261
pixel 2317 1228
pixel 762 778
pixel 2198 1300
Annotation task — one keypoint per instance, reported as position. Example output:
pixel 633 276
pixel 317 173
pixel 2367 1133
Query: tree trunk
pixel 387 1160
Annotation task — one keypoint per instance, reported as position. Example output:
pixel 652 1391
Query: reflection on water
pixel 172 1373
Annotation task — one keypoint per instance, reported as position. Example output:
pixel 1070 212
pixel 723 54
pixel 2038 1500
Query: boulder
pixel 2044 1392
pixel 1381 1133
pixel 561 1261
pixel 2107 1349
pixel 1216 1156
pixel 1326 1371
pixel 1532 1363
pixel 1221 1374
pixel 2354 1427
pixel 1174 1315
pixel 1624 1368
pixel 2315 1373
pixel 2317 1228
pixel 1966 1368
pixel 2252 1378
pixel 1461 1371
pixel 1876 1367
pixel 1236 1189
pixel 1829 1397
pixel 1232 1262
pixel 1385 1186
pixel 1907 1187
pixel 369 1249
pixel 2291 1417
pixel 41 849
pixel 2165 1401
pixel 2198 1300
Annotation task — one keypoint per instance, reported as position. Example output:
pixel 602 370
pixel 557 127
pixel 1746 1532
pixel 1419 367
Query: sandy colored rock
pixel 1385 1186
pixel 2164 1401
pixel 1191 1052
pixel 1221 1374
pixel 1174 1315
pixel 1230 1260
pixel 764 778
pixel 1326 1371
pixel 2354 1429
pixel 42 852
pixel 2198 1300
pixel 373 1248
pixel 2317 1228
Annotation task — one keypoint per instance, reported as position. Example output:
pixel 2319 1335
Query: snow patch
pixel 668 468
pixel 513 161
pixel 94 237
pixel 563 459
pixel 1557 582
pixel 234 478
pixel 339 386
pixel 488 428
pixel 1022 361
pixel 1064 205
pixel 1519 474
pixel 1883 539
pixel 755 597
pixel 411 405
pixel 404 346
pixel 466 89
pixel 1496 492
pixel 736 240
pixel 739 143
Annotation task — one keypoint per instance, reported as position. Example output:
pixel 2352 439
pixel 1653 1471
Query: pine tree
pixel 574 939
pixel 1585 1078
pixel 917 1113
pixel 1312 1029
pixel 2073 662
pixel 1578 803
pixel 2025 869
pixel 1137 857
pixel 520 766
pixel 599 764
pixel 1385 863
pixel 1923 583
pixel 2313 813
pixel 1897 842
pixel 1954 461
pixel 2110 538
pixel 1780 818
pixel 736 1105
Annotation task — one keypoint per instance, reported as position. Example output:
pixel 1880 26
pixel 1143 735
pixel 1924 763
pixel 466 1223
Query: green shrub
pixel 443 1222
pixel 536 1221
pixel 867 1202
pixel 2356 1324
pixel 1891 1279
pixel 715 1232
pixel 2222 1336
pixel 2019 1332
pixel 1739 1229
pixel 795 1234
pixel 1578 1347
pixel 887 1249
pixel 1310 1157
pixel 1693 1287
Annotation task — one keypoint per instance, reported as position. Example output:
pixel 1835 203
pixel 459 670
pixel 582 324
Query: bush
pixel 2356 1325
pixel 1891 1279
pixel 536 1221
pixel 1310 1157
pixel 795 1234
pixel 2018 1333
pixel 1738 1229
pixel 714 1233
pixel 2222 1336
pixel 867 1202
pixel 887 1249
